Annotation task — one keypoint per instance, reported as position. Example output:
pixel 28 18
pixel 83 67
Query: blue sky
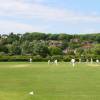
pixel 50 16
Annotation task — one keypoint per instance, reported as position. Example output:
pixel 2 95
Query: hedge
pixel 40 59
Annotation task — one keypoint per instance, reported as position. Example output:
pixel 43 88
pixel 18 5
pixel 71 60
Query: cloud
pixel 22 9
pixel 29 10
pixel 12 26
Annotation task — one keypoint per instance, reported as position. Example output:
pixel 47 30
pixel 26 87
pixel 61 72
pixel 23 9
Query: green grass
pixel 49 82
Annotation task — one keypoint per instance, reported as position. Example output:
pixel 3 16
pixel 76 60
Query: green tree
pixel 96 49
pixel 40 49
pixel 64 37
pixel 55 51
pixel 25 48
pixel 12 38
pixel 15 48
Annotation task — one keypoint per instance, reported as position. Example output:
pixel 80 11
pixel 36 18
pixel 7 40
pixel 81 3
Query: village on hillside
pixel 43 46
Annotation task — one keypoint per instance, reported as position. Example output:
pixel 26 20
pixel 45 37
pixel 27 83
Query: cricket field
pixel 49 82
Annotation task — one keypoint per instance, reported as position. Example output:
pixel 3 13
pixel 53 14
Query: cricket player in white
pixel 91 60
pixel 48 62
pixel 56 62
pixel 73 62
pixel 30 60
pixel 97 61
pixel 80 60
pixel 87 60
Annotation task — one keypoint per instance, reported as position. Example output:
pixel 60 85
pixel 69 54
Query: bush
pixel 38 58
pixel 57 57
pixel 23 58
pixel 67 58
pixel 14 58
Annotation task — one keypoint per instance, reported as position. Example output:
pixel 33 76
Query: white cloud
pixel 34 9
pixel 21 9
pixel 11 26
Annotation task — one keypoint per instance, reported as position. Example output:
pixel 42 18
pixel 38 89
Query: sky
pixel 50 16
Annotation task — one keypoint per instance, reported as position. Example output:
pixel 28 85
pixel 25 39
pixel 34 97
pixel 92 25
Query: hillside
pixel 47 46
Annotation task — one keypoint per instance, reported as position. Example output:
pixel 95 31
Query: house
pixel 87 45
pixel 75 40
pixel 67 50
pixel 55 43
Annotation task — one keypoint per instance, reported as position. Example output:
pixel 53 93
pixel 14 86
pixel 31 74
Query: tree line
pixel 43 46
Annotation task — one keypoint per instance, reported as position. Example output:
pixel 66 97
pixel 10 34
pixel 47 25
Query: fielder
pixel 30 60
pixel 97 61
pixel 56 62
pixel 80 60
pixel 48 62
pixel 73 62
pixel 87 60
pixel 91 60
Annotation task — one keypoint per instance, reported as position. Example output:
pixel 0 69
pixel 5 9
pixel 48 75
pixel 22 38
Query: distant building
pixel 67 50
pixel 55 43
pixel 4 36
pixel 75 40
pixel 87 45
